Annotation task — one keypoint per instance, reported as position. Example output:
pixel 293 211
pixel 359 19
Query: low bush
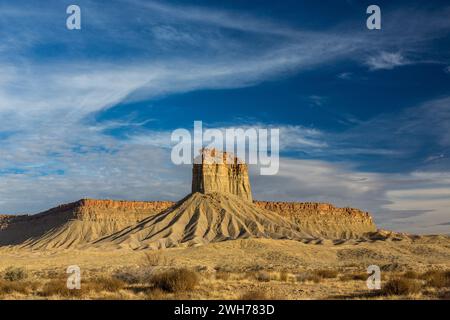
pixel 307 276
pixel 222 275
pixel 411 275
pixel 354 276
pixel 284 276
pixel 176 280
pixel 15 274
pixel 437 279
pixel 156 258
pixel 262 276
pixel 23 287
pixel 254 295
pixel 326 273
pixel 104 284
pixel 400 287
pixel 58 287
pixel 127 277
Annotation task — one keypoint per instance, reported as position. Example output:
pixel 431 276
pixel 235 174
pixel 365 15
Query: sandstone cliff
pixel 75 223
pixel 221 172
pixel 323 219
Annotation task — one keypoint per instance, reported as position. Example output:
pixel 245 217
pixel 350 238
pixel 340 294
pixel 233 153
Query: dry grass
pixel 128 277
pixel 224 276
pixel 400 287
pixel 411 275
pixel 444 295
pixel 326 273
pixel 263 276
pixel 156 258
pixel 354 276
pixel 254 295
pixel 156 294
pixel 176 280
pixel 105 284
pixel 308 276
pixel 58 287
pixel 22 287
pixel 437 279
pixel 15 274
pixel 284 276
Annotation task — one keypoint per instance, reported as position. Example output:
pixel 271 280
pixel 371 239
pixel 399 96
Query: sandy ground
pixel 231 268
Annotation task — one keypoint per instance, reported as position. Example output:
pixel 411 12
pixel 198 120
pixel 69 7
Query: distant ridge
pixel 75 223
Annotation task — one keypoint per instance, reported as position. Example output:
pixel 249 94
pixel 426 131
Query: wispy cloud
pixel 387 61
pixel 345 75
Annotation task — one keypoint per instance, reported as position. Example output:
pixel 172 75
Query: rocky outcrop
pixel 76 223
pixel 129 211
pixel 203 218
pixel 221 172
pixel 323 219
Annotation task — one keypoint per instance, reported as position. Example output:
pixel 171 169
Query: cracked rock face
pixel 219 172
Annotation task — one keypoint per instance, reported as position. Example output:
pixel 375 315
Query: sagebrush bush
pixel 411 275
pixel 400 287
pixel 24 287
pixel 127 276
pixel 222 275
pixel 437 279
pixel 354 276
pixel 104 284
pixel 176 280
pixel 156 258
pixel 307 276
pixel 15 274
pixel 254 295
pixel 58 287
pixel 155 294
pixel 326 273
pixel 283 276
pixel 262 276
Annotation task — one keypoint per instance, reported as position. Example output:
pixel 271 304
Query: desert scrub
pixel 411 275
pixel 175 280
pixel 326 273
pixel 23 287
pixel 156 294
pixel 437 279
pixel 58 287
pixel 155 259
pixel 104 284
pixel 254 295
pixel 354 276
pixel 263 276
pixel 308 276
pixel 15 274
pixel 128 277
pixel 225 276
pixel 400 287
pixel 283 276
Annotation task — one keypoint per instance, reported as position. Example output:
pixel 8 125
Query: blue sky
pixel 364 114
